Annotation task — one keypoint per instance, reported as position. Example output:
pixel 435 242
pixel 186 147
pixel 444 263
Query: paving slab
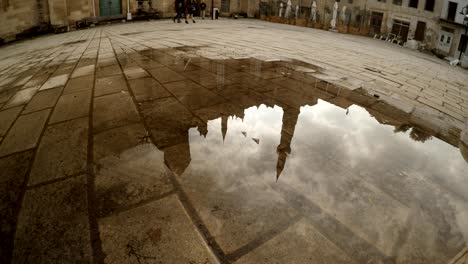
pixel 25 132
pixel 136 175
pixel 62 152
pixel 12 179
pixel 42 100
pixel 83 71
pixel 21 97
pixel 71 106
pixel 168 236
pixel 53 216
pixel 145 89
pixel 79 84
pixel 109 85
pixel 113 110
pixel 22 81
pixel 7 117
pixel 37 80
pixel 149 64
pixel 114 141
pixel 55 81
pixel 300 243
pixel 108 71
pixel 135 73
pixel 5 95
pixel 165 75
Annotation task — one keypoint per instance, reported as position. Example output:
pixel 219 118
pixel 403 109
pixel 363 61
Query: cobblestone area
pixel 95 125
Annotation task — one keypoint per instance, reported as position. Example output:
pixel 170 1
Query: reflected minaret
pixel 290 116
pixel 203 129
pixel 224 125
pixel 177 157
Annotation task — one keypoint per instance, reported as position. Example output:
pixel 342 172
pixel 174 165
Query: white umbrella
pixel 314 11
pixel 288 9
pixel 335 12
pixel 343 14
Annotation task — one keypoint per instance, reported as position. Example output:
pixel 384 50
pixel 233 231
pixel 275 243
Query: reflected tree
pixel 420 135
pixel 402 128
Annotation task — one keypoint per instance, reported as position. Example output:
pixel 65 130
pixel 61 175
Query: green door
pixel 110 7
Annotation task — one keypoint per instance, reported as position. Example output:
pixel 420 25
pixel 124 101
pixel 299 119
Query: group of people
pixel 187 8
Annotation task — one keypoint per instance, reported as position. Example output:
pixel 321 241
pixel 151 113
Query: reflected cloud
pixel 393 187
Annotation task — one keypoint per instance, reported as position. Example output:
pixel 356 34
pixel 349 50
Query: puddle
pixel 273 162
pixel 263 150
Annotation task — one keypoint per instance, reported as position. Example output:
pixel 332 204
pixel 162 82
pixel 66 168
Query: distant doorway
pixel 110 7
pixel 376 22
pixel 420 31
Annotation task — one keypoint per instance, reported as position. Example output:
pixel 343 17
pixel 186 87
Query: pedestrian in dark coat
pixel 180 10
pixel 190 8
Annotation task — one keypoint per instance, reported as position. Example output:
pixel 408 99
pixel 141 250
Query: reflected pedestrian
pixel 202 9
pixel 190 7
pixel 179 8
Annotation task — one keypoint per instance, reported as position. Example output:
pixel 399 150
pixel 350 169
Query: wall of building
pixel 16 17
pixel 460 5
pixel 410 15
pixel 454 29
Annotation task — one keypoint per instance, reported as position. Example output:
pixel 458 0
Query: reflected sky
pixel 262 149
pixel 404 196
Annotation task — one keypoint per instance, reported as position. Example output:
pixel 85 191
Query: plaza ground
pixel 231 141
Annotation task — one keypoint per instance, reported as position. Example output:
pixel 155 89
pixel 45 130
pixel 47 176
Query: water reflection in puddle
pixel 386 193
pixel 274 167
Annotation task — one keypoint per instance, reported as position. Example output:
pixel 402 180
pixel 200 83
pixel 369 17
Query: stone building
pixel 401 20
pixel 26 17
pixel 452 39
pixel 406 19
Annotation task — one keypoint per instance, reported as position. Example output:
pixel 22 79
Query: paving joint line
pixel 26 180
pixel 197 223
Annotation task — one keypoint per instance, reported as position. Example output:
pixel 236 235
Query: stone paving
pixel 97 166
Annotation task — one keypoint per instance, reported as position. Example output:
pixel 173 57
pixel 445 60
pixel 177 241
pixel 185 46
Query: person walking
pixel 202 9
pixel 190 7
pixel 180 8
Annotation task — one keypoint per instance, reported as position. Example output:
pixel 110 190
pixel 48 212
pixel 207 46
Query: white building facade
pixel 452 38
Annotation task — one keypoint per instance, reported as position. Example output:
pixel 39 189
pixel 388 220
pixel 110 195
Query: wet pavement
pixel 112 154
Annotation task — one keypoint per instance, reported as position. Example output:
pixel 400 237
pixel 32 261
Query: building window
pixel 430 5
pixel 449 39
pixel 442 37
pixel 350 1
pixel 383 1
pixel 413 3
pixel 397 2
pixel 401 29
pixel 452 11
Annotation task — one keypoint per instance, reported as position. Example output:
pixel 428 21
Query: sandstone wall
pixel 17 16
